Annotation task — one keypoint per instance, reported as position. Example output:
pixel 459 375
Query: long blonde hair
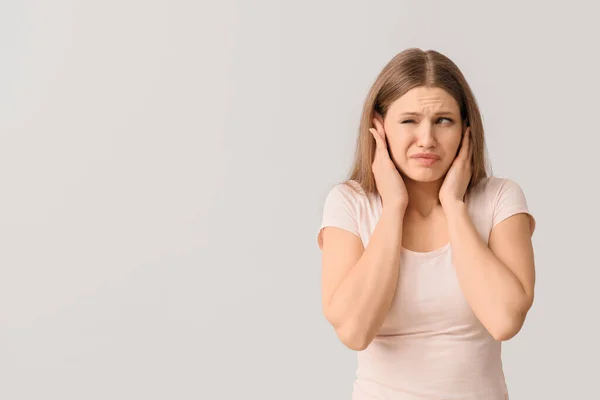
pixel 411 68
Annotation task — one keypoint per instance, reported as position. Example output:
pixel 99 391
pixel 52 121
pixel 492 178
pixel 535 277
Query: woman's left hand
pixel 457 179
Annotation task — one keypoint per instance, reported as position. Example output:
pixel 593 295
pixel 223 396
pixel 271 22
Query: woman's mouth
pixel 426 159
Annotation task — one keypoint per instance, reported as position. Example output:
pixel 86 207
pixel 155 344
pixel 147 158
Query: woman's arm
pixel 358 286
pixel 497 281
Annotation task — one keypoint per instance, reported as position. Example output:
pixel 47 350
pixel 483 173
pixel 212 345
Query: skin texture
pixel 423 209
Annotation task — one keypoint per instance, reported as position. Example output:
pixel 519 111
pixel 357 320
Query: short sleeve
pixel 510 200
pixel 339 210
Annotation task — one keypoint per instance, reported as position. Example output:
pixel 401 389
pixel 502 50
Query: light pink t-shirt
pixel 431 344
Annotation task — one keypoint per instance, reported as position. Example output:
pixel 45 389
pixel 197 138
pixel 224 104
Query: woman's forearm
pixel 362 300
pixel 494 293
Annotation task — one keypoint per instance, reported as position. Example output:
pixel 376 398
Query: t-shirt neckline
pixel 427 254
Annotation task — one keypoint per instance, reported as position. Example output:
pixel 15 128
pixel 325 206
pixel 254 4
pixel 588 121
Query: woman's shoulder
pixel 496 192
pixel 492 185
pixel 344 208
pixel 350 189
pixel 353 196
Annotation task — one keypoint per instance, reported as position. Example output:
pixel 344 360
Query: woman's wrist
pixel 397 209
pixel 455 209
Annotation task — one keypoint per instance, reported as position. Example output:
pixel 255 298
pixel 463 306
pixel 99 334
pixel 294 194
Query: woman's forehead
pixel 425 100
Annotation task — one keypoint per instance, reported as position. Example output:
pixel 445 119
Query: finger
pixel 379 126
pixel 380 130
pixel 471 149
pixel 468 163
pixel 379 144
pixel 466 144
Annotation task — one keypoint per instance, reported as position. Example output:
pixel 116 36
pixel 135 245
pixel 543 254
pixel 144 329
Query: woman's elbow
pixel 353 340
pixel 504 333
pixel 509 327
pixel 351 337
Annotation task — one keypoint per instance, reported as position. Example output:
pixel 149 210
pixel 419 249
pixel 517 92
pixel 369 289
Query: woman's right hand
pixel 390 185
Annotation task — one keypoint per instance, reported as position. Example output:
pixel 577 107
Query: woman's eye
pixel 439 119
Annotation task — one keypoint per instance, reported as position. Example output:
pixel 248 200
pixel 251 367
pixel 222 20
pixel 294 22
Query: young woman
pixel 427 261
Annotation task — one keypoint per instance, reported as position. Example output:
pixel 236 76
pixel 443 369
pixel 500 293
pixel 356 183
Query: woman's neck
pixel 423 197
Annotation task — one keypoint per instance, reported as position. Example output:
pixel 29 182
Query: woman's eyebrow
pixel 412 113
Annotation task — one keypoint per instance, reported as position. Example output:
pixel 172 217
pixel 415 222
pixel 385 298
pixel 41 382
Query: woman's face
pixel 424 130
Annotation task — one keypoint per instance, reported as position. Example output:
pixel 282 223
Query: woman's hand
pixel 457 179
pixel 390 185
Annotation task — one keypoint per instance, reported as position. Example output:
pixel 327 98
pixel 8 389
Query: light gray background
pixel 163 166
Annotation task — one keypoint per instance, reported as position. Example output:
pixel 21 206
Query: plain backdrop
pixel 163 167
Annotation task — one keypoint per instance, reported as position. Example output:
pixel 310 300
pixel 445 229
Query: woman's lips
pixel 426 159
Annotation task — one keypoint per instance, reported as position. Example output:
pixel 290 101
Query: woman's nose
pixel 426 137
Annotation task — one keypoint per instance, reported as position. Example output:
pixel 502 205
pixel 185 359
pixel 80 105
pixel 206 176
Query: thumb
pixel 379 141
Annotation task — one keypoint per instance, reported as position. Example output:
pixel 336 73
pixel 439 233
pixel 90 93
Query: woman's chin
pixel 424 176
